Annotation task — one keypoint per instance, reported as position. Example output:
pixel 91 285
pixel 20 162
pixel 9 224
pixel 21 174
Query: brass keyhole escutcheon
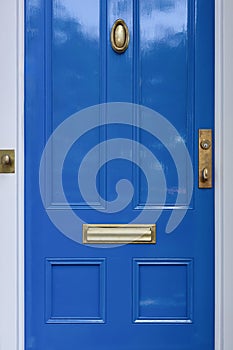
pixel 205 144
pixel 205 174
pixel 120 36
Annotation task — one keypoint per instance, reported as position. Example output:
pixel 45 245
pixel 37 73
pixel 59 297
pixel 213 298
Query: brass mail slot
pixel 119 233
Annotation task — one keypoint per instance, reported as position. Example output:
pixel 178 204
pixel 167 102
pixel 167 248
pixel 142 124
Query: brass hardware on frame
pixel 205 158
pixel 7 161
pixel 120 36
pixel 119 233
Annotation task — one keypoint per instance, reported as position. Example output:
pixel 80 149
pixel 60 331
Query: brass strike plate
pixel 7 161
pixel 205 158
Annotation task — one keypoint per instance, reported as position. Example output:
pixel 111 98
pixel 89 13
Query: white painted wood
pixel 11 186
pixel 218 178
pixel 8 183
pixel 227 173
pixel 20 175
pixel 223 175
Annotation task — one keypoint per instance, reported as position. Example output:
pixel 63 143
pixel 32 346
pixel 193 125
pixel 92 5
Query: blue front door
pixel 119 238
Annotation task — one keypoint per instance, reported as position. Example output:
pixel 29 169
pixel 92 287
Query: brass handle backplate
pixel 205 158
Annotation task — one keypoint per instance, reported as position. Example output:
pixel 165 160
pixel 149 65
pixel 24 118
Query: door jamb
pixel 218 171
pixel 20 176
pixel 223 174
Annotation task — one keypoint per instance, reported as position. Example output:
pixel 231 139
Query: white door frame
pixel 223 174
pixel 11 185
pixel 12 189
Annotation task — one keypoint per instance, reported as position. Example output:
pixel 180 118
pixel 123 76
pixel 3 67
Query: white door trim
pixel 8 199
pixel 223 175
pixel 218 177
pixel 12 186
pixel 20 176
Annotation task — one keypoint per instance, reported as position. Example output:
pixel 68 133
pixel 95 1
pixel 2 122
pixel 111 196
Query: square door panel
pixel 162 291
pixel 75 291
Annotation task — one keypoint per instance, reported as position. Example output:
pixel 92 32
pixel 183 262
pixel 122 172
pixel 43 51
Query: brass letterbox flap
pixel 119 233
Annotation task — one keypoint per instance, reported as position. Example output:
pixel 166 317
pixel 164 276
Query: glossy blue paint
pixel 133 297
pixel 163 291
pixel 63 291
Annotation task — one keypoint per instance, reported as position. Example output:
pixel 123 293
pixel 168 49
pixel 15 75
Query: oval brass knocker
pixel 120 36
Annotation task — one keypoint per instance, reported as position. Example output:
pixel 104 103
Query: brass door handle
pixel 205 174
pixel 6 160
pixel 120 36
